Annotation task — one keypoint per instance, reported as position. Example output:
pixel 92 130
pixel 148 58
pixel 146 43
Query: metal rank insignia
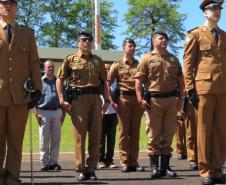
pixel 122 66
pixel 76 59
pixel 172 59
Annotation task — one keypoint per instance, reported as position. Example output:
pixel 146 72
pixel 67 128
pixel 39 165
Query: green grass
pixel 67 142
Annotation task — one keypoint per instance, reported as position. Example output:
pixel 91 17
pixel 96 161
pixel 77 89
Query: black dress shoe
pixel 219 180
pixel 45 168
pixel 55 167
pixel 125 169
pixel 136 168
pixel 82 176
pixel 207 181
pixel 193 166
pixel 92 176
pixel 181 156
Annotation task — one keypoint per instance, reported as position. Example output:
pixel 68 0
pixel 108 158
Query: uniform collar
pixel 80 54
pixel 45 77
pixel 156 53
pixel 3 24
pixel 125 61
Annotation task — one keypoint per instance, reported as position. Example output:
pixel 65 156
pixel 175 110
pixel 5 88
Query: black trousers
pixel 109 124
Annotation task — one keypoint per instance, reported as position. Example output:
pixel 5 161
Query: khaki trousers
pixel 191 133
pixel 162 125
pixel 181 137
pixel 211 135
pixel 130 115
pixel 13 120
pixel 186 135
pixel 87 118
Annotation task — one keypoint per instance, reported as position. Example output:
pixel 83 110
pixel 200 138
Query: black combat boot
pixel 154 161
pixel 165 169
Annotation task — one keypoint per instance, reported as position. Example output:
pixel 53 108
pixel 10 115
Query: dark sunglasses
pixel 86 39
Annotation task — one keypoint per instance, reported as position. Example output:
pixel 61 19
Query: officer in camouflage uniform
pixel 19 61
pixel 161 73
pixel 85 73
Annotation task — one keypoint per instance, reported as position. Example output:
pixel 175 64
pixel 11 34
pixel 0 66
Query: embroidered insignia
pixel 96 62
pixel 76 59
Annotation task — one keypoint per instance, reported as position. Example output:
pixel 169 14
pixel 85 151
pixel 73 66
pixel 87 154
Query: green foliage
pixel 57 22
pixel 144 17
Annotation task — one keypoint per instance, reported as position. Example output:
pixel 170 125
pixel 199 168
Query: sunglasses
pixel 86 39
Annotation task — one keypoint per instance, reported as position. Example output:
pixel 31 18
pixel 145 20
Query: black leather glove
pixel 35 97
pixel 193 97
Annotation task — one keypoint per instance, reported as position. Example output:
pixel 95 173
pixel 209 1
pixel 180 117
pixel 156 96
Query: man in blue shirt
pixel 50 118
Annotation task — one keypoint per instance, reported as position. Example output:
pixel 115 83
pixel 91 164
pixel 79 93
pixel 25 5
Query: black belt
pixel 49 108
pixel 163 95
pixel 128 93
pixel 87 90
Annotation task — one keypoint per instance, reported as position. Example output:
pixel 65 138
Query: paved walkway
pixel 67 175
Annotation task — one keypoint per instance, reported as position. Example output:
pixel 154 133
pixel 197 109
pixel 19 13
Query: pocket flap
pixel 203 76
pixel 205 47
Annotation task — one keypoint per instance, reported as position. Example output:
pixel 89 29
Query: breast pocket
pixel 124 75
pixel 203 81
pixel 77 72
pixel 155 69
pixel 206 50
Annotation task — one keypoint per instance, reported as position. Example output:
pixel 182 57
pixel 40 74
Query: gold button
pixel 10 79
pixel 10 59
pixel 10 69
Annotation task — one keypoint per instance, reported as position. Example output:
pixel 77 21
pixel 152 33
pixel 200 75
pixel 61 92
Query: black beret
pixel 15 1
pixel 208 4
pixel 85 34
pixel 161 33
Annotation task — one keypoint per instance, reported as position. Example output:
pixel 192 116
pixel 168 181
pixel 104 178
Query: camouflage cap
pixel 209 4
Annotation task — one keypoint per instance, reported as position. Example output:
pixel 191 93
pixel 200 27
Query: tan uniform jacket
pixel 124 74
pixel 205 62
pixel 83 71
pixel 159 73
pixel 18 61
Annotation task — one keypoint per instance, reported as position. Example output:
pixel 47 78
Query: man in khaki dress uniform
pixel 85 73
pixel 19 61
pixel 205 79
pixel 127 107
pixel 161 73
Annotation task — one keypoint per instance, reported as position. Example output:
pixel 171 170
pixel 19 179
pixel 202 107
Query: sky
pixel 189 7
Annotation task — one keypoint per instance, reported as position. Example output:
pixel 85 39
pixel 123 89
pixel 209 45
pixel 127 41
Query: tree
pixel 144 17
pixel 57 22
pixel 29 13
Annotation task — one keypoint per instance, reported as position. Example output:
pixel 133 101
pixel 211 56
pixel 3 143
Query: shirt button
pixel 10 59
pixel 10 79
pixel 10 69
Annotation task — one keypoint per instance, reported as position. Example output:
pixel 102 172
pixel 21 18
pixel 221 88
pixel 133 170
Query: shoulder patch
pixel 189 31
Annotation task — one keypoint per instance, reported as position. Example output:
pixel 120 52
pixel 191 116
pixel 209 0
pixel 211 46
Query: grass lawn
pixel 67 137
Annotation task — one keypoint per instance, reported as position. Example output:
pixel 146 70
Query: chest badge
pixel 76 60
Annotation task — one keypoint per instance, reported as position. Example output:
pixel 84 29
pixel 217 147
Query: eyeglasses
pixel 86 39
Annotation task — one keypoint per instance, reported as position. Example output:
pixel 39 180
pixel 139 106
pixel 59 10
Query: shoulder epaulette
pixel 189 31
pixel 25 27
